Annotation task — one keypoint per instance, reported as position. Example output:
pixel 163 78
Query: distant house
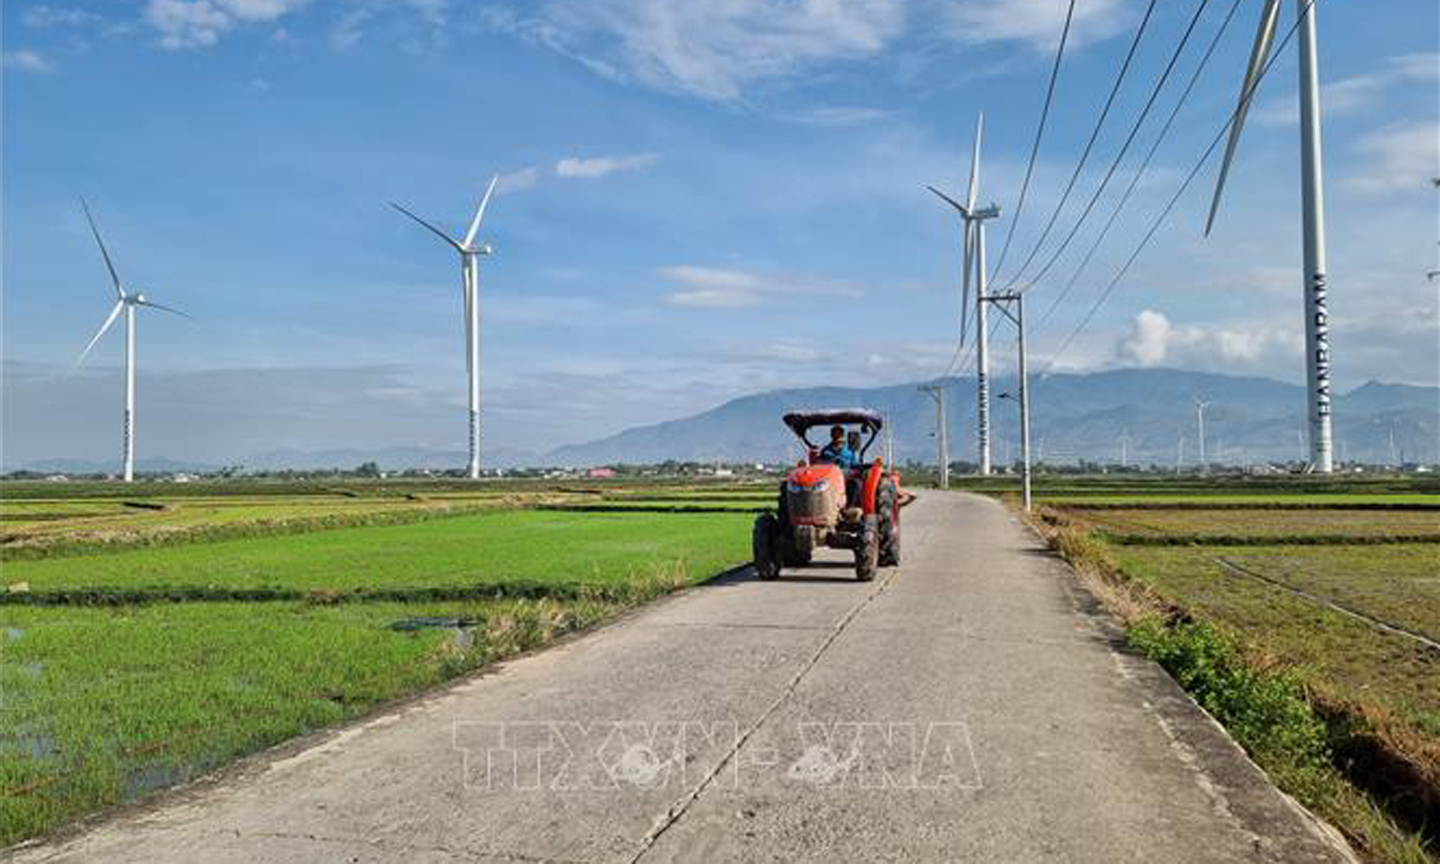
pixel 600 473
pixel 57 478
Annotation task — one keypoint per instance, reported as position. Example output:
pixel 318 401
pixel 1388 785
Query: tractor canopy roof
pixel 801 421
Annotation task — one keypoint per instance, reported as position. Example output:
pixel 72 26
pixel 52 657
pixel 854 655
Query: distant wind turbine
pixel 973 229
pixel 470 254
pixel 127 302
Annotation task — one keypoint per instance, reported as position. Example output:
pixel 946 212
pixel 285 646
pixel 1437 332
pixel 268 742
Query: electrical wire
pixel 1189 178
pixel 1039 133
pixel 1144 164
pixel 1089 145
pixel 1124 148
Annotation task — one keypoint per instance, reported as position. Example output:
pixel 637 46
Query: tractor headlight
pixel 821 486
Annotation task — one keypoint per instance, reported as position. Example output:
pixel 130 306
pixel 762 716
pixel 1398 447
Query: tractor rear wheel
pixel 867 552
pixel 889 518
pixel 763 546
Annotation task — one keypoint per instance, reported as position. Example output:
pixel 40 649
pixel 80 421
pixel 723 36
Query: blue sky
pixel 698 200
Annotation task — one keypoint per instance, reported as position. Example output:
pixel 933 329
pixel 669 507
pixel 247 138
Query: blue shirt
pixel 842 455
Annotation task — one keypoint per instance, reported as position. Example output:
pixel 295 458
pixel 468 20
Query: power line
pixel 1124 148
pixel 1144 164
pixel 1189 178
pixel 1039 132
pixel 1089 145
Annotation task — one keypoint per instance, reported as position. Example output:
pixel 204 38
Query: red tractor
pixel 824 503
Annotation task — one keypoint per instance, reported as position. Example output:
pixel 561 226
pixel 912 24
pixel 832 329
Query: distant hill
pixel 1075 416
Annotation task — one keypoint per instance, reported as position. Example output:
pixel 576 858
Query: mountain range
pixel 1149 415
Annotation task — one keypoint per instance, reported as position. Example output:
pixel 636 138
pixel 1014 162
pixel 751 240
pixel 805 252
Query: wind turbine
pixel 127 302
pixel 1200 406
pixel 974 233
pixel 470 255
pixel 1312 193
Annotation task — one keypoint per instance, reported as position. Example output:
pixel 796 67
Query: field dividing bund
pixel 127 668
pixel 1304 613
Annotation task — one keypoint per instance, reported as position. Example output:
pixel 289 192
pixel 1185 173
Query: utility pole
pixel 942 431
pixel 1200 407
pixel 1003 302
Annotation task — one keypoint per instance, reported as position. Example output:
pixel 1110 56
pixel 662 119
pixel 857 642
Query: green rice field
pixel 115 655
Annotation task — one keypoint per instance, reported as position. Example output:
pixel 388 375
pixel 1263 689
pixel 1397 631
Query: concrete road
pixel 971 704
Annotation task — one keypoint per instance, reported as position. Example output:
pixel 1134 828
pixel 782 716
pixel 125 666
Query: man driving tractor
pixel 840 451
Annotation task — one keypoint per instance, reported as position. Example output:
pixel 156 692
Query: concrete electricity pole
pixel 942 431
pixel 1017 316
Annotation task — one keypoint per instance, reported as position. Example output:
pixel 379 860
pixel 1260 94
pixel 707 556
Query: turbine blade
pixel 438 233
pixel 480 213
pixel 114 313
pixel 975 164
pixel 1259 54
pixel 948 200
pixel 109 265
pixel 164 309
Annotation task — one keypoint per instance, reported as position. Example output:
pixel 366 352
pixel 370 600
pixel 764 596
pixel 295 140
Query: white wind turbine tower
pixel 1312 194
pixel 974 231
pixel 470 254
pixel 127 302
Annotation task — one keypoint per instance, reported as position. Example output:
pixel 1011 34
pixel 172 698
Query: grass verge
pixel 1322 752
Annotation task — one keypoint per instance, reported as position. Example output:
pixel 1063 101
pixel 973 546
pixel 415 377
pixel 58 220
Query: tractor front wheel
pixel 763 546
pixel 867 553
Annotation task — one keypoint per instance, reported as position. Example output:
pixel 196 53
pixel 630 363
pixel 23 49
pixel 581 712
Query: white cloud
pixel 27 60
pixel 1251 346
pixel 1398 157
pixel 1037 23
pixel 1148 340
pixel 200 23
pixel 602 165
pixel 715 288
pixel 1358 93
pixel 709 48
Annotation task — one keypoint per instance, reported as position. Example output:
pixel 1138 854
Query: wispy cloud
pixel 708 48
pixel 1402 156
pixel 200 23
pixel 1358 93
pixel 572 168
pixel 716 288
pixel 57 16
pixel 601 165
pixel 27 60
pixel 839 115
